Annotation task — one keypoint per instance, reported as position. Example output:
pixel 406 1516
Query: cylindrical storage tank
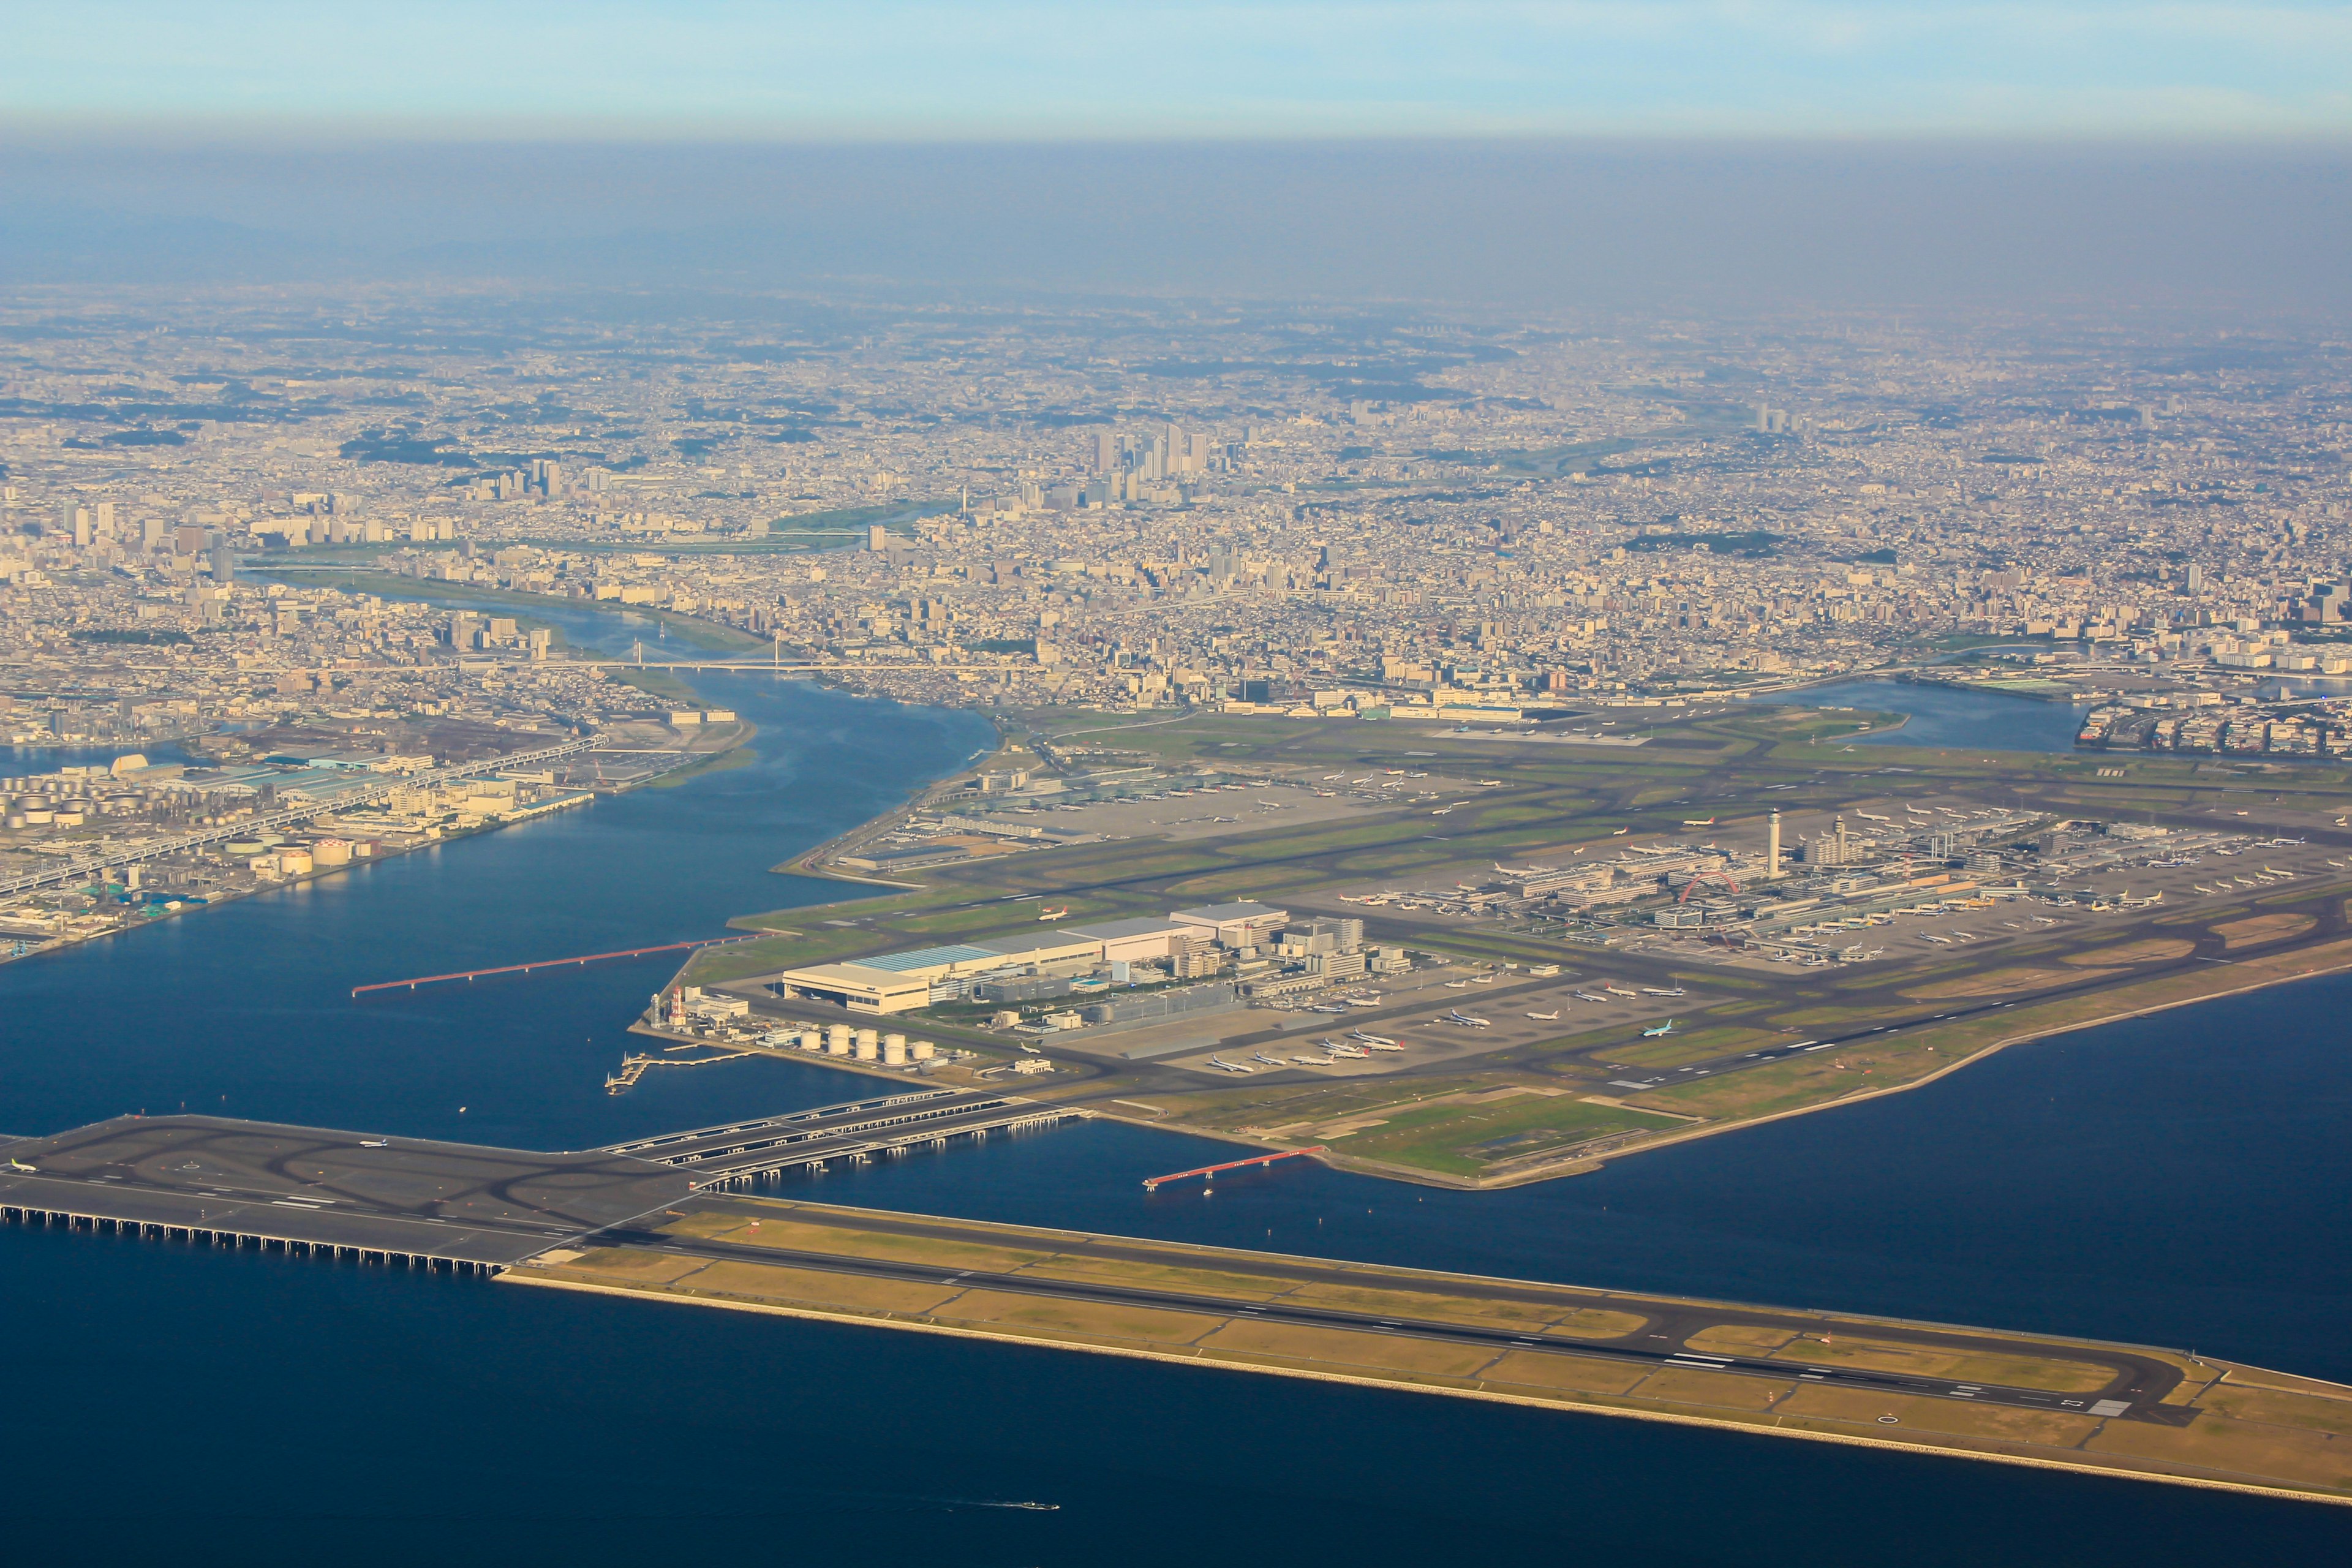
pixel 894 1050
pixel 837 1039
pixel 869 1045
pixel 920 1051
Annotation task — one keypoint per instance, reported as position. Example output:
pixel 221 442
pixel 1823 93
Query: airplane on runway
pixel 1698 822
pixel 17 1164
pixel 1545 1017
pixel 1660 991
pixel 1620 833
pixel 1328 1007
pixel 376 1143
pixel 1665 1028
pixel 1867 817
pixel 1052 914
pixel 1223 1066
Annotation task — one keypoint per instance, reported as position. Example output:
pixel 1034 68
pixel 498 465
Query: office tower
pixel 224 563
pixel 877 538
pixel 2196 578
pixel 1106 451
pixel 102 523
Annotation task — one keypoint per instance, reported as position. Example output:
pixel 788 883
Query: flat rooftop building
pixel 1234 925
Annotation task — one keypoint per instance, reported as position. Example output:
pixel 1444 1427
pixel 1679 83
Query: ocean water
pixel 2178 1179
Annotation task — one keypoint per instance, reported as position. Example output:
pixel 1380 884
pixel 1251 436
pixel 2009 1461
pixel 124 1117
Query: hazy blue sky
pixel 892 68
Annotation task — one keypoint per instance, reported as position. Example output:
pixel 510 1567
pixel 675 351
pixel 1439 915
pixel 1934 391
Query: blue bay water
pixel 2177 1179
pixel 1939 716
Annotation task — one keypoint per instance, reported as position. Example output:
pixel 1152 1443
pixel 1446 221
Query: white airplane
pixel 1442 811
pixel 376 1143
pixel 1617 991
pixel 1620 833
pixel 1665 1028
pixel 1656 991
pixel 1459 1016
pixel 1698 822
pixel 1867 817
pixel 1270 1061
pixel 1378 1042
pixel 1588 996
pixel 1224 1066
pixel 1489 784
pixel 1312 1061
pixel 1545 1017
pixel 1328 1007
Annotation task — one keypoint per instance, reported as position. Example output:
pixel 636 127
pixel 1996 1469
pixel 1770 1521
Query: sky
pixel 1667 153
pixel 1236 69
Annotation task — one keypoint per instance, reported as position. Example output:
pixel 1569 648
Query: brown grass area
pixel 1740 1339
pixel 2279 1409
pixel 2057 1376
pixel 1999 982
pixel 2050 1428
pixel 1530 1369
pixel 1724 1390
pixel 1435 1308
pixel 842 1242
pixel 622 1266
pixel 1335 1346
pixel 2240 1448
pixel 2262 929
pixel 1011 1310
pixel 2149 952
pixel 817 1287
pixel 1161 1277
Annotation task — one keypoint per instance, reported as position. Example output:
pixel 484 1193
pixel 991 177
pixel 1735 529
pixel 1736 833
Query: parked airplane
pixel 1618 990
pixel 1270 1061
pixel 1588 996
pixel 1665 1028
pixel 1377 1041
pixel 1867 817
pixel 1459 1016
pixel 1660 990
pixel 1545 1017
pixel 1223 1066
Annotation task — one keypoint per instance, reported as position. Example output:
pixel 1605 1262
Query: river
pixel 2178 1179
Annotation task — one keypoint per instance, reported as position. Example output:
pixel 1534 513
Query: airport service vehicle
pixel 1665 1028
pixel 1223 1066
pixel 1545 1017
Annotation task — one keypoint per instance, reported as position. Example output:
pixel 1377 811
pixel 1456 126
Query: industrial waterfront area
pixel 1549 920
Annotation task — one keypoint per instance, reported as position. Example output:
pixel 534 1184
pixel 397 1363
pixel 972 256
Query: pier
pixel 312 1191
pixel 742 1153
pixel 546 963
pixel 1209 1172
